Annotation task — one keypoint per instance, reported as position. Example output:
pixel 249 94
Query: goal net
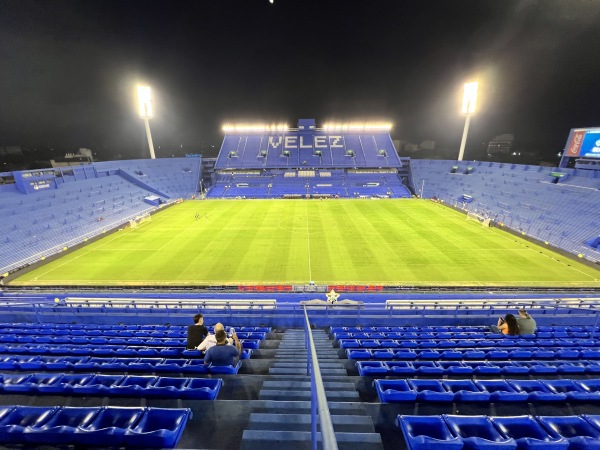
pixel 483 219
pixel 138 221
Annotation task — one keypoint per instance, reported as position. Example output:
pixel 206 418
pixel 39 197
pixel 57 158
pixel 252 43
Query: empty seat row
pixel 410 390
pixel 78 363
pixel 483 354
pixel 108 350
pixel 465 336
pixel 412 335
pixel 466 343
pixel 512 432
pixel 433 329
pixel 98 427
pixel 100 329
pixel 32 335
pixel 111 385
pixel 387 368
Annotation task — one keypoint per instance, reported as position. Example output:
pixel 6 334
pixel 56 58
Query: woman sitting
pixel 508 325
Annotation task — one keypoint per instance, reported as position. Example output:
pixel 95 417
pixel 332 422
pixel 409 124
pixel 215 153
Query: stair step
pixel 302 422
pixel 303 358
pixel 304 352
pixel 328 364
pixel 304 407
pixel 267 440
pixel 288 394
pixel 291 371
pixel 297 384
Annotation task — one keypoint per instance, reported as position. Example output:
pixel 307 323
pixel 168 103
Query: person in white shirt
pixel 211 340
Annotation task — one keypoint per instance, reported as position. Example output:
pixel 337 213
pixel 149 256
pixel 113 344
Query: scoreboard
pixel 583 143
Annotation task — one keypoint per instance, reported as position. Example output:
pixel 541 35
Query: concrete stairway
pixel 285 421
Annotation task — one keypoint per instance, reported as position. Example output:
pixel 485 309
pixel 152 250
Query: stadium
pixel 362 285
pixel 252 224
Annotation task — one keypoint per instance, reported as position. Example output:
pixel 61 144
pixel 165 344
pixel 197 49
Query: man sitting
pixel 223 354
pixel 526 323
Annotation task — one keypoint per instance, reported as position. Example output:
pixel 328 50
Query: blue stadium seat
pixel 14 423
pixel 16 383
pixel 580 433
pixel 466 391
pixel 167 387
pixel 501 391
pixel 360 354
pixel 194 366
pixel 573 391
pixel 170 365
pixel 225 369
pixel 60 429
pixel 537 391
pixel 511 368
pixel 98 385
pixel 107 428
pixel 391 391
pixel 431 390
pixel 132 385
pixel 428 432
pixel 400 368
pixel 201 389
pixel 405 354
pixel 592 387
pixel 571 367
pixel 8 363
pixel 33 363
pixel 455 367
pixel 483 367
pixel 371 368
pixel 529 434
pixel 478 432
pixel 158 427
pixel 428 367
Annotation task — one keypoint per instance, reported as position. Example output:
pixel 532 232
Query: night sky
pixel 68 69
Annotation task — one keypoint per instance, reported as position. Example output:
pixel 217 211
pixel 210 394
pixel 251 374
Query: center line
pixel 308 244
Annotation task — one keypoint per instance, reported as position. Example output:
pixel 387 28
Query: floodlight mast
pixel 146 112
pixel 468 108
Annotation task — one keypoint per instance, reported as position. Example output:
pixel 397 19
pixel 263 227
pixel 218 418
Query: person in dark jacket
pixel 196 333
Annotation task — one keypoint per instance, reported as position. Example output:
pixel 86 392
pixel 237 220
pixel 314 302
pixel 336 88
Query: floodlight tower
pixel 468 108
pixel 146 112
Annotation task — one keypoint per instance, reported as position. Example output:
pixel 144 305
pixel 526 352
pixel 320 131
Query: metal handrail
pixel 317 394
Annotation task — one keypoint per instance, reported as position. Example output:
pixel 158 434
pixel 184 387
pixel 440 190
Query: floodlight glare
pixel 254 128
pixel 358 126
pixel 470 98
pixel 146 112
pixel 145 102
pixel 468 108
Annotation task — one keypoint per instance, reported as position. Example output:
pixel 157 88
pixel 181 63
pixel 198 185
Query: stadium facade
pixel 398 366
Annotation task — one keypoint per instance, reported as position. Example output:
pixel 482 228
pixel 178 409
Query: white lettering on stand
pixel 302 143
pixel 333 142
pixel 273 143
pixel 291 142
pixel 320 141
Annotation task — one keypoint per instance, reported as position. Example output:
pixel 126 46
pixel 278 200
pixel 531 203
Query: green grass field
pixel 391 242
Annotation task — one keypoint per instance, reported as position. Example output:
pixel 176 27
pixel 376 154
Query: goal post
pixel 483 219
pixel 140 220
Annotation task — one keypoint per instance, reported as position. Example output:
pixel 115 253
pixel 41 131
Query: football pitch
pixel 380 242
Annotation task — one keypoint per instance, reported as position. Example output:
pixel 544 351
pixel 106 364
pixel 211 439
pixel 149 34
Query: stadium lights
pixel 470 98
pixel 254 128
pixel 358 126
pixel 146 112
pixel 468 107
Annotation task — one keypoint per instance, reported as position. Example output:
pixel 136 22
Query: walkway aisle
pixel 285 421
